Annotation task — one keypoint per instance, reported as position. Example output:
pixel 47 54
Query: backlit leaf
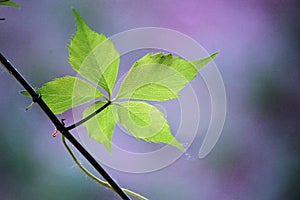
pixel 62 94
pixel 159 77
pixel 155 77
pixel 101 127
pixel 93 56
pixel 145 122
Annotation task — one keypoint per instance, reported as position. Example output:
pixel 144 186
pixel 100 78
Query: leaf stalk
pixel 89 116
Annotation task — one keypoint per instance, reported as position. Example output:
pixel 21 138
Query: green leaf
pixel 159 77
pixel 93 56
pixel 25 93
pixel 200 63
pixel 62 94
pixel 101 127
pixel 145 122
pixel 9 3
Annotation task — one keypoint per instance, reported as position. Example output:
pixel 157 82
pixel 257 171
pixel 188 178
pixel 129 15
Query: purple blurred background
pixel 257 154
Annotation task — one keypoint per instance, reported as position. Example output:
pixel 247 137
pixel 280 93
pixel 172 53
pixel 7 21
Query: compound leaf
pixel 93 56
pixel 64 93
pixel 159 77
pixel 145 122
pixel 156 77
pixel 101 127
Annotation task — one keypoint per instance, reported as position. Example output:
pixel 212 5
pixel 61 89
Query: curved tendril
pixel 89 174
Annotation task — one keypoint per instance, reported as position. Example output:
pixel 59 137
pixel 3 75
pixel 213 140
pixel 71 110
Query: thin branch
pixel 88 117
pixel 60 127
pixel 89 174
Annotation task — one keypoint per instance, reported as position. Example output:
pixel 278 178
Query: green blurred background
pixel 257 156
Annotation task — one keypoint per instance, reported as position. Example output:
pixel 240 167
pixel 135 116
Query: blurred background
pixel 257 154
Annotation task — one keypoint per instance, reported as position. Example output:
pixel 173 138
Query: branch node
pixel 36 98
pixel 54 134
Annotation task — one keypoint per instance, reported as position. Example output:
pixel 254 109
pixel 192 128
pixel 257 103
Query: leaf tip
pixel 214 55
pixel 200 63
pixel 108 147
pixel 75 12
pixel 77 15
pixel 177 145
pixel 25 93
